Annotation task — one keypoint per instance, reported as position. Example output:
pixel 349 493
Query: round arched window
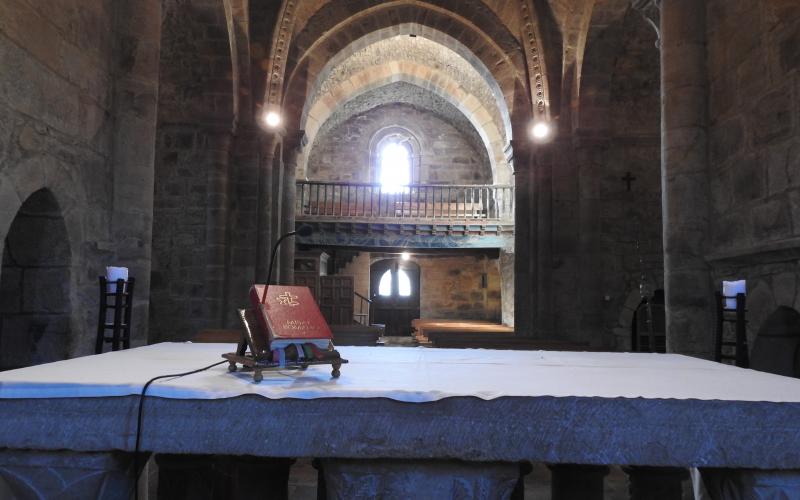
pixel 394 166
pixel 394 159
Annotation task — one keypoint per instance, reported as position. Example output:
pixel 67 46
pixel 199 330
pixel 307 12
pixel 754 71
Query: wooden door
pixel 309 279
pixel 336 299
pixel 394 289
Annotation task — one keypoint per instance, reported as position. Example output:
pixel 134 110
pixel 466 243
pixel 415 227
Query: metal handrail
pixel 361 315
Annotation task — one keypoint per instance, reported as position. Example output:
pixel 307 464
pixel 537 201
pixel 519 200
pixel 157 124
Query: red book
pixel 290 315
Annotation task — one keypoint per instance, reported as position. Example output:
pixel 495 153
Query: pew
pixel 356 334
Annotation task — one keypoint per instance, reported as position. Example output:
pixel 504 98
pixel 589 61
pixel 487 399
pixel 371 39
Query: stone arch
pixel 315 45
pixel 613 23
pixel 36 285
pixel 384 134
pixel 18 182
pixel 425 77
pixel 433 35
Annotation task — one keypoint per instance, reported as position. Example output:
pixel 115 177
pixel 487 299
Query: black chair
pixel 732 348
pixel 121 301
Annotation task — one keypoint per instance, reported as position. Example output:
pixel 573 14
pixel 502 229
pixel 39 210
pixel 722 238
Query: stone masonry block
pixel 772 116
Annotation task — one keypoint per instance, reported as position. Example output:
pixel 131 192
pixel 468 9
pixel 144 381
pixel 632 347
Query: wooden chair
pixel 121 301
pixel 734 351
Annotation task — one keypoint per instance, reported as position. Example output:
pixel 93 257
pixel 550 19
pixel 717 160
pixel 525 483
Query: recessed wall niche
pixel 35 285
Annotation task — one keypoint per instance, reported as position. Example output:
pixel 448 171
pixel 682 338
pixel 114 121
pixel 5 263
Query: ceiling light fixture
pixel 540 131
pixel 272 119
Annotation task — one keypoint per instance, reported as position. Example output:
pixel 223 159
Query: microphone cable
pixel 141 413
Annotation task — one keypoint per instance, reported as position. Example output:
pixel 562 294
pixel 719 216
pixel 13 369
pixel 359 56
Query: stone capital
pixel 515 152
pixel 295 140
pixel 651 11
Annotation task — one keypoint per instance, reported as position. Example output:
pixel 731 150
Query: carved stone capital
pixel 651 11
pixel 295 141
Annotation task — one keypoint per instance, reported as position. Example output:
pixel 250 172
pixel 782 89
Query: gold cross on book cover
pixel 290 315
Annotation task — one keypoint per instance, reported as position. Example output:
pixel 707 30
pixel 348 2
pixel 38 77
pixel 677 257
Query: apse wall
pixel 66 98
pixel 346 151
pixel 754 150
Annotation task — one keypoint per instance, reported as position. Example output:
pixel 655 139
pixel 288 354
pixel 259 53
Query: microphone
pixel 304 230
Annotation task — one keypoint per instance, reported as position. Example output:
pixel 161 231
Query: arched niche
pixel 35 282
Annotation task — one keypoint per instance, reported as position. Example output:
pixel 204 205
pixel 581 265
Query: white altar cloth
pixel 402 374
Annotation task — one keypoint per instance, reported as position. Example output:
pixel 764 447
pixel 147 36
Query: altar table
pixel 475 405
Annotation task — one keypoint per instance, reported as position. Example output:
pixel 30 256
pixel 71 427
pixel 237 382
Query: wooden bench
pixel 422 327
pixel 472 340
pixel 218 336
pixel 356 334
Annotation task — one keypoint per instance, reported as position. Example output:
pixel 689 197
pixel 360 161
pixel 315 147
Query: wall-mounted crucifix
pixel 629 178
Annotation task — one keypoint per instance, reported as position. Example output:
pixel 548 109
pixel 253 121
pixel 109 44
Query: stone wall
pixel 358 268
pixel 195 113
pixel 447 156
pixel 754 123
pixel 34 286
pixel 754 150
pixel 58 130
pixel 451 288
pixel 605 236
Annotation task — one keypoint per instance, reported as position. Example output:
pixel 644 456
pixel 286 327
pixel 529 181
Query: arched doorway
pixel 35 285
pixel 394 288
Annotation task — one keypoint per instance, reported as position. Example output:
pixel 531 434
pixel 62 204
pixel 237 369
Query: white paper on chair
pixel 113 274
pixel 730 289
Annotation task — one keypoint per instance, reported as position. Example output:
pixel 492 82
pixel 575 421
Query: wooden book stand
pixel 260 356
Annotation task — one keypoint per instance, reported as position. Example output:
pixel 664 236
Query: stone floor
pixel 303 483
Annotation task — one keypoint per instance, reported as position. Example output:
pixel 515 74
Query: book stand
pixel 260 356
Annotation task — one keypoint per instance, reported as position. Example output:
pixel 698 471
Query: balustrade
pixel 316 199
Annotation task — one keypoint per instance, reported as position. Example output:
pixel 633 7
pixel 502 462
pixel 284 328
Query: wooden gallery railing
pixel 417 201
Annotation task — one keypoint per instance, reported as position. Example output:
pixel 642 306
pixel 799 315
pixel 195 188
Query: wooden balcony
pixel 418 215
pixel 424 202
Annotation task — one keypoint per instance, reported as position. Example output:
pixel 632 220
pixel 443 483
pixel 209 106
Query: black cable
pixel 139 420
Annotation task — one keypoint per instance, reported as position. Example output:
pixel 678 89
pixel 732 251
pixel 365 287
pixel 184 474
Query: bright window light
pixel 405 256
pixel 404 283
pixel 385 285
pixel 395 168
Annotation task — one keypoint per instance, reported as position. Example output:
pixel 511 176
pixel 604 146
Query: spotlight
pixel 405 256
pixel 540 131
pixel 272 119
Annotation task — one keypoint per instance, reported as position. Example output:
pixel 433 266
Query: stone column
pixel 276 203
pixel 507 264
pixel 137 31
pixel 543 238
pixel 524 240
pixel 292 147
pixel 265 205
pixel 217 204
pixel 684 177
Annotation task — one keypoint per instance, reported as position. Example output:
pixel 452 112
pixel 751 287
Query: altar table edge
pixel 553 430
